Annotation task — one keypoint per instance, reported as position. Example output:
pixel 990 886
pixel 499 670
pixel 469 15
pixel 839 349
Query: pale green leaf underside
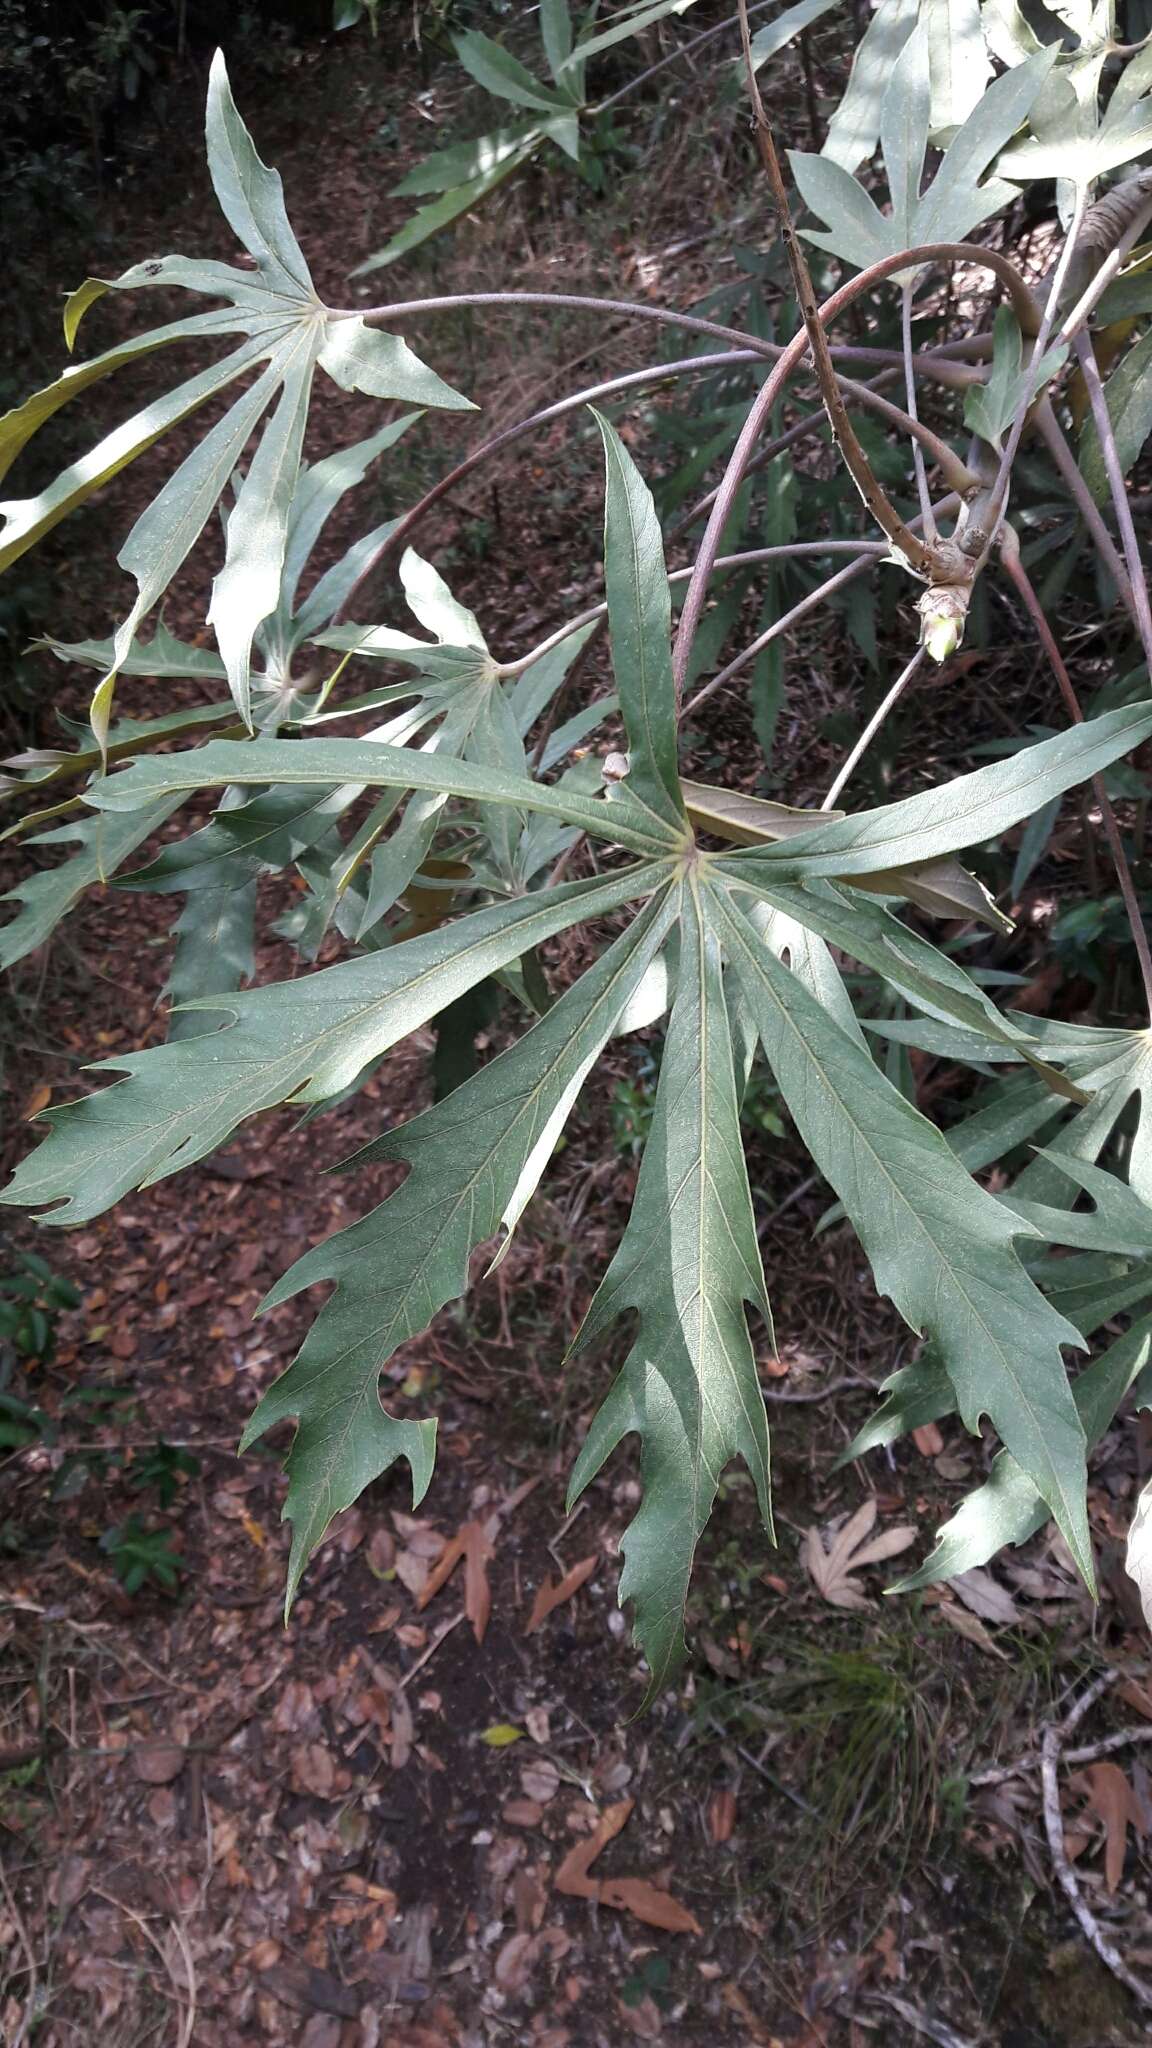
pixel 375 766
pixel 1007 1508
pixel 46 897
pixel 938 1245
pixel 687 1264
pixel 961 813
pixel 395 1269
pixel 297 1041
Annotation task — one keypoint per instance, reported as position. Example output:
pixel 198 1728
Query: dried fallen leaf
pixel 522 1813
pixel 928 1439
pixel 403 1730
pixel 1136 1696
pixel 629 1894
pixel 886 1948
pixel 971 1628
pixel 263 1954
pixel 654 1907
pixel 380 1551
pixel 550 1596
pixel 831 1555
pixel 981 1594
pixel 311 1990
pixel 1108 1794
pixel 472 1542
pixel 514 1962
pixel 314 1770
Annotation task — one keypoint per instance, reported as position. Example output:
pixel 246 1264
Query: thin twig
pixel 910 399
pixel 1088 1753
pixel 31 2015
pixel 1010 556
pixel 187 2011
pixel 685 50
pixel 933 2029
pixel 873 726
pixel 1052 434
pixel 1090 369
pixel 788 551
pixel 799 611
pixel 426 1655
pixel 1050 1757
pixel 918 552
pixel 998 498
pixel 655 373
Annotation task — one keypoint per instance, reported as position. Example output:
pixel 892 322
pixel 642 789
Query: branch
pixel 910 400
pixel 744 560
pixel 685 50
pixel 1052 434
pixel 655 373
pixel 628 309
pixel 917 552
pixel 1050 1748
pixel 1086 356
pixel 798 612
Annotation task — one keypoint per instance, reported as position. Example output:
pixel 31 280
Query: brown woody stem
pixel 918 553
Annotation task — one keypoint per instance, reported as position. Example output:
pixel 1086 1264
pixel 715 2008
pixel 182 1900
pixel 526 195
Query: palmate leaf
pixel 296 1041
pixel 910 964
pixel 504 156
pixel 688 1263
pixel 640 619
pixel 288 328
pixel 1071 141
pixel 784 28
pixel 855 125
pixel 1119 1221
pixel 989 409
pixel 941 887
pixel 475 1160
pixel 499 72
pixel 629 21
pixel 956 201
pixel 938 1245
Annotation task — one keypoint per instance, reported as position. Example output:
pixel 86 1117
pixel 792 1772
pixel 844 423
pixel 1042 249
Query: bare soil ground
pixel 424 1813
